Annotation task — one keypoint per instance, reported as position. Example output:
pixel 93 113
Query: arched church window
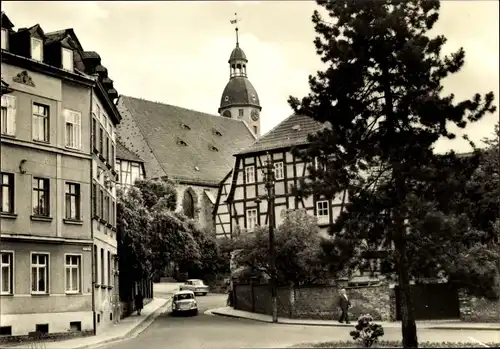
pixel 226 98
pixel 227 113
pixel 188 204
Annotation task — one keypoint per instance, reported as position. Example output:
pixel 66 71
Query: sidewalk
pixel 438 324
pixel 129 327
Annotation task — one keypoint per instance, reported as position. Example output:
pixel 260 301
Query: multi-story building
pixel 47 234
pixel 105 118
pixel 237 207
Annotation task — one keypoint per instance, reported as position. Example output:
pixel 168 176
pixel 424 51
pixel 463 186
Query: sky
pixel 176 52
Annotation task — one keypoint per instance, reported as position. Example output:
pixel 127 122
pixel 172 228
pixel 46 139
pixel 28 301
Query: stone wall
pixel 473 309
pixel 316 302
pixel 321 302
pixel 203 205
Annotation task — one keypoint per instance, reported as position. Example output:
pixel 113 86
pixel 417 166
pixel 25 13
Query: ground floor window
pixel 73 273
pixel 6 274
pixel 39 273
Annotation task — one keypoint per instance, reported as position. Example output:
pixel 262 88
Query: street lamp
pixel 269 179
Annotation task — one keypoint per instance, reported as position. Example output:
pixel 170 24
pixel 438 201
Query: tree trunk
pixel 408 327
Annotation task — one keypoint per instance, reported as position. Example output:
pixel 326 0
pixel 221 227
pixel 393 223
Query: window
pixel 106 208
pixel 113 214
pixel 94 199
pixel 4 39
pixel 96 280
pixel 106 150
pixel 251 219
pixel 240 112
pixel 278 170
pixel 7 193
pixel 36 49
pixel 109 268
pixel 136 173
pixel 39 273
pixel 188 204
pixel 73 201
pixel 101 140
pixel 103 282
pixel 322 212
pixel 67 59
pixel 41 195
pixel 73 131
pixel 7 272
pixel 40 122
pixel 101 204
pixel 94 133
pixel 112 156
pixel 73 273
pixel 318 165
pixel 250 174
pixel 8 121
pixel 255 130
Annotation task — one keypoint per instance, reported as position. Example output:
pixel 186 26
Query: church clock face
pixel 255 115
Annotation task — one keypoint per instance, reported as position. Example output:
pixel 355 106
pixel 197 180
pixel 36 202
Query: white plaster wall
pixel 22 324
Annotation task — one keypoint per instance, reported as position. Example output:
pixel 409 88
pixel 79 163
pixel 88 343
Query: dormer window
pixel 67 59
pixel 4 39
pixel 36 49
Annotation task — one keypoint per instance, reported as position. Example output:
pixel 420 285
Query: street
pixel 212 331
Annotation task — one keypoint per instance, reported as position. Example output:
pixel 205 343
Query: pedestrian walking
pixel 344 304
pixel 230 295
pixel 139 302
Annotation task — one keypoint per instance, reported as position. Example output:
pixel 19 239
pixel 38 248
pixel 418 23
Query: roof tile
pixel 290 132
pixel 123 153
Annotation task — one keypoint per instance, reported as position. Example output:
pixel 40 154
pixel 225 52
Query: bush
pixel 367 333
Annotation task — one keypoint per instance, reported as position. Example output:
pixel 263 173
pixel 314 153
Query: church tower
pixel 239 99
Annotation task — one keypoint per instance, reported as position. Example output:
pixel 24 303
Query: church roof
pixel 123 153
pixel 239 91
pixel 238 54
pixel 183 144
pixel 290 132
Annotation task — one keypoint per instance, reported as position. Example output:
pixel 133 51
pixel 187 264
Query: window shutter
pixel 78 130
pixel 11 115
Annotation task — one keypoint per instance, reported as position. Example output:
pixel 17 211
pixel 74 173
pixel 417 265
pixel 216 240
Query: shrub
pixel 367 333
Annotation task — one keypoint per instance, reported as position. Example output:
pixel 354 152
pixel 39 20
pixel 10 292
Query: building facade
pixel 105 118
pixel 237 208
pixel 46 257
pixel 47 254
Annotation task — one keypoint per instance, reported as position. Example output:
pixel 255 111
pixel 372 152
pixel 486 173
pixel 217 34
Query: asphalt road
pixel 213 331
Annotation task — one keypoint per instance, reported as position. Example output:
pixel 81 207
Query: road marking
pixel 478 342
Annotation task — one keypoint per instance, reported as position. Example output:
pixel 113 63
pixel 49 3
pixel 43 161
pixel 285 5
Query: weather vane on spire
pixel 235 21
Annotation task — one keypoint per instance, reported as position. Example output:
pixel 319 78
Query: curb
pixel 134 332
pixel 457 328
pixel 463 328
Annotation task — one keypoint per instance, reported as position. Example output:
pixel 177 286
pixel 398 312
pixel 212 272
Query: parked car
pixel 184 302
pixel 195 285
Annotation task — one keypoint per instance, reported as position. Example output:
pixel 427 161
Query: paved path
pixel 211 331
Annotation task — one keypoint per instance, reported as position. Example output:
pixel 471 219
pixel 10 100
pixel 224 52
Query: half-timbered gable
pixel 246 202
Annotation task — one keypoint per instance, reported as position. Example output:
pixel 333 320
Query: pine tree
pixel 382 100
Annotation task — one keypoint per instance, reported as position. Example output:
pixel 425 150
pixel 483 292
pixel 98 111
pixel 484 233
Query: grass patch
pixel 396 344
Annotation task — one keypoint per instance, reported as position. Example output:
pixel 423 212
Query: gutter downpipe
pixel 94 276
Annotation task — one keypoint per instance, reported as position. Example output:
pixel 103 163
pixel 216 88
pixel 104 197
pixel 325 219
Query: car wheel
pixel 195 312
pixel 204 294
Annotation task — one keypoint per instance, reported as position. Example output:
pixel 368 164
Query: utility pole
pixel 272 248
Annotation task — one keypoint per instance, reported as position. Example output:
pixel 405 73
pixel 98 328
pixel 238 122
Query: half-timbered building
pixel 237 206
